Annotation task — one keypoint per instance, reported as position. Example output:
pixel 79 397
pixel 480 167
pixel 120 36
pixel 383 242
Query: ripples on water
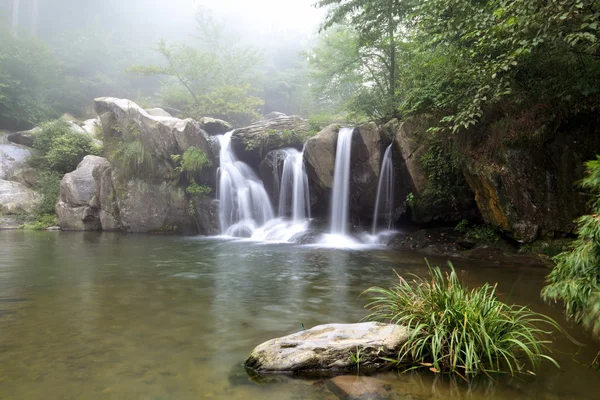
pixel 111 316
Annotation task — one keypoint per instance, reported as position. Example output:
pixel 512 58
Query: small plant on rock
pixel 461 331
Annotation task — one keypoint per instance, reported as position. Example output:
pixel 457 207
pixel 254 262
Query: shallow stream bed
pixel 113 316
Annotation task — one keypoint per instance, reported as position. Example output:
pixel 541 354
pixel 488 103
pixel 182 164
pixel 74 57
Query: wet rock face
pixel 252 143
pixel 365 162
pixel 271 170
pixel 328 348
pixel 529 189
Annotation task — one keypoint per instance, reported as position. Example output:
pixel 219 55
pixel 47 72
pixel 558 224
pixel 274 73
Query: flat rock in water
pixel 329 348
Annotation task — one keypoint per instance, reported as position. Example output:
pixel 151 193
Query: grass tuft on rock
pixel 460 330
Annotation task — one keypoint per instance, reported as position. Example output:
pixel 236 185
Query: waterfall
pixel 385 191
pixel 293 193
pixel 341 183
pixel 243 202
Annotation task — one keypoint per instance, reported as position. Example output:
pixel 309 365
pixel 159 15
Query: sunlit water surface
pixel 111 316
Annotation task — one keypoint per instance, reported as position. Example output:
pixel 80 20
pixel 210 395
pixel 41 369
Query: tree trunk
pixel 15 15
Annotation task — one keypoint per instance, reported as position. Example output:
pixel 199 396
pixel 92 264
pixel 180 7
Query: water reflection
pixel 100 316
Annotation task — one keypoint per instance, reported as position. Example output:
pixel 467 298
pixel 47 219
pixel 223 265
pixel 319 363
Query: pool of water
pixel 112 316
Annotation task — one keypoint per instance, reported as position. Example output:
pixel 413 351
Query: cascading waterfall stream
pixel 294 187
pixel 341 183
pixel 244 205
pixel 385 191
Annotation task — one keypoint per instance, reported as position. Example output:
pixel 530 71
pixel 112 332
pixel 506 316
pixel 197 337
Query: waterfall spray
pixel 341 183
pixel 385 191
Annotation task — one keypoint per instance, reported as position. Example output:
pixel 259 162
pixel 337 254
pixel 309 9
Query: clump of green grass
pixel 132 159
pixel 40 223
pixel 191 162
pixel 461 331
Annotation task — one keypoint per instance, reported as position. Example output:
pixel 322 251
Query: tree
pixel 379 31
pixel 540 51
pixel 212 65
pixel 30 81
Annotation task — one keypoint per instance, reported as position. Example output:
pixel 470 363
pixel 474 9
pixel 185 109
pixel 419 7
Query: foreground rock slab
pixel 329 348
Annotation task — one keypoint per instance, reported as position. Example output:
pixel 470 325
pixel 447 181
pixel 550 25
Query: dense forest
pixel 498 101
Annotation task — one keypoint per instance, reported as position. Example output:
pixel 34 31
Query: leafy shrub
pixel 61 149
pixel 462 331
pixel 41 222
pixel 462 226
pixel 48 187
pixel 576 277
pixel 198 191
pixel 191 162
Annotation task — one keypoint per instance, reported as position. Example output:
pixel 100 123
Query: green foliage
pixel 462 226
pixel 232 103
pixel 482 233
pixel 461 331
pixel 441 164
pixel 40 223
pixel 356 357
pixel 477 54
pixel 48 187
pixel 60 148
pixel 352 76
pixel 575 280
pixel 30 80
pixel 373 51
pixel 131 158
pixel 198 191
pixel 191 162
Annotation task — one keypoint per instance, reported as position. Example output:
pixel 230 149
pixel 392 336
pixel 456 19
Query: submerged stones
pixel 329 348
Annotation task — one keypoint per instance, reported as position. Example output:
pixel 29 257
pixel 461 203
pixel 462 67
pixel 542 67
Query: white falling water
pixel 293 194
pixel 341 183
pixel 385 192
pixel 244 205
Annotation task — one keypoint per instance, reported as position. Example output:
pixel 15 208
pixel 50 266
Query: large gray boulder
pixel 155 201
pixel 274 114
pixel 16 198
pixel 252 143
pixel 158 112
pixel 12 158
pixel 328 348
pixel 215 126
pixel 160 207
pixel 77 208
pixel 160 136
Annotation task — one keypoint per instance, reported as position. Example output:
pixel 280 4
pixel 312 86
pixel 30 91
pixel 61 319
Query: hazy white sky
pixel 267 15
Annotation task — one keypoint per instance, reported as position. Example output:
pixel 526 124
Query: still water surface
pixel 112 316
